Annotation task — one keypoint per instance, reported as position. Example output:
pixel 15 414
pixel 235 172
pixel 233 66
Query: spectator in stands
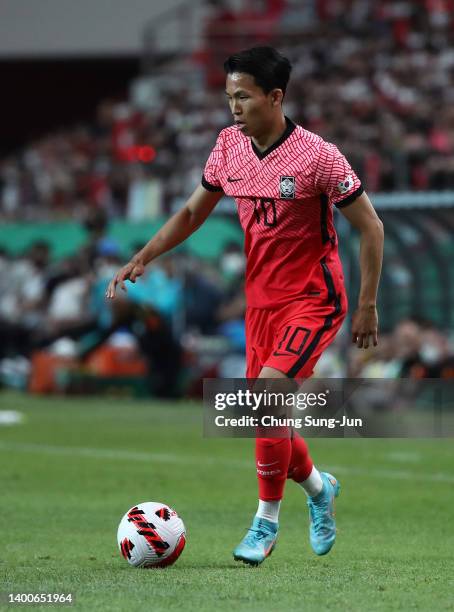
pixel 202 294
pixel 68 302
pixel 231 312
pixel 436 353
pixel 382 90
pixel 415 349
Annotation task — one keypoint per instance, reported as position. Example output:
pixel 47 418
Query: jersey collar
pixel 288 130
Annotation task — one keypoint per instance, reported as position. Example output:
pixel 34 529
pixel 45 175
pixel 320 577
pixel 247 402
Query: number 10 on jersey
pixel 265 211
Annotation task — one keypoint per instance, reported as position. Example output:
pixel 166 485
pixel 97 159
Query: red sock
pixel 272 457
pixel 301 464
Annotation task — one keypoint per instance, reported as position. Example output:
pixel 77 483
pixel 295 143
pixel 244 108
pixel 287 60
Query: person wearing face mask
pixel 435 353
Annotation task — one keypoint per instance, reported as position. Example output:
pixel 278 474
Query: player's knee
pixel 270 442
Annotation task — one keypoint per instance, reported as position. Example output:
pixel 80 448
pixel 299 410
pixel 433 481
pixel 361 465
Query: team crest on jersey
pixel 345 185
pixel 287 187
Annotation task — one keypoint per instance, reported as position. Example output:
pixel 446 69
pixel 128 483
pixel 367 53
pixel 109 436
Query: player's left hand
pixel 365 325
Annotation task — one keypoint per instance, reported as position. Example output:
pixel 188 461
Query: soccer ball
pixel 151 535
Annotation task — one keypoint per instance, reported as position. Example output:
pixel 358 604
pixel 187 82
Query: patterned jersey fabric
pixel 285 197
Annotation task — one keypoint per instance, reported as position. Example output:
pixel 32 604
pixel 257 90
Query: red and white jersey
pixel 285 197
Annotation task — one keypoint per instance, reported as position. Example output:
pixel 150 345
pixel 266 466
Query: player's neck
pixel 268 138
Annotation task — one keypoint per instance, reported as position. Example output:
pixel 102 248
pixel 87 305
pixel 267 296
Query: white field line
pixel 121 455
pixel 126 455
pixel 405 457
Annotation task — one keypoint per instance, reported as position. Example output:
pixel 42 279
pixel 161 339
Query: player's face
pixel 253 110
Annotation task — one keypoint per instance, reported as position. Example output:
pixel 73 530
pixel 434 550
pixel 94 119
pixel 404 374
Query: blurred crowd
pixel 375 77
pixel 415 348
pixel 183 321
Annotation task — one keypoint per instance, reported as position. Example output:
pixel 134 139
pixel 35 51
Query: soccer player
pixel 285 181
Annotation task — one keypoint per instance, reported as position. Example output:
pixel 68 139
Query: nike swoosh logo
pixel 233 180
pixel 266 464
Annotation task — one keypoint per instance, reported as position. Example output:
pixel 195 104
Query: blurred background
pixel 110 110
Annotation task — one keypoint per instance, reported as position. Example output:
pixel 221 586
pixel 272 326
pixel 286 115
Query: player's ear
pixel 277 96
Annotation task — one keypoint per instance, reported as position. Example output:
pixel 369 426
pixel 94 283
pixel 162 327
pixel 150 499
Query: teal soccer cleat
pixel 322 529
pixel 258 543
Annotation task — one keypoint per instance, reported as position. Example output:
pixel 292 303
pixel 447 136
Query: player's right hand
pixel 130 271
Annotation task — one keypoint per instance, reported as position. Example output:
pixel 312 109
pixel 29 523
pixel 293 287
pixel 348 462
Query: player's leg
pixel 301 339
pixel 272 460
pixel 321 489
pixel 302 469
pixel 270 452
pixel 298 343
pixel 279 458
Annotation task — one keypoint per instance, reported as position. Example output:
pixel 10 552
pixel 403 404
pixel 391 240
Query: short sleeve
pixel 210 178
pixel 335 178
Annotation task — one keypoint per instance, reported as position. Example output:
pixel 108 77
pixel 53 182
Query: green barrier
pixel 68 238
pixel 65 239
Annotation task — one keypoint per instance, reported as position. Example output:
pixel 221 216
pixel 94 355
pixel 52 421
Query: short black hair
pixel 270 69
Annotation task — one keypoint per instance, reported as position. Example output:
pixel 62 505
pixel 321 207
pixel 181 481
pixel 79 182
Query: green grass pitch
pixel 74 466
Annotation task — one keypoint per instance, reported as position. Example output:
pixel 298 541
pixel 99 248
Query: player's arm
pixel 179 227
pixel 361 214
